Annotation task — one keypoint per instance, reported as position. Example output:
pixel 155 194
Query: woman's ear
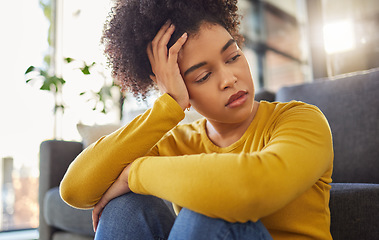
pixel 153 78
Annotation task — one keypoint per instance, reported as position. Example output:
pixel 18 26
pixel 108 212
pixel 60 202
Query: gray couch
pixel 351 104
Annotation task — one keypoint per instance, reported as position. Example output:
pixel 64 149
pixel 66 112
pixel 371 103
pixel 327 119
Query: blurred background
pixel 57 44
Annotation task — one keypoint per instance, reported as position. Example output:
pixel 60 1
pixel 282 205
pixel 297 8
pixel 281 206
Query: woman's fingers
pixel 96 214
pixel 174 50
pixel 157 49
pixel 162 44
pixel 95 217
pixel 158 43
pixel 161 32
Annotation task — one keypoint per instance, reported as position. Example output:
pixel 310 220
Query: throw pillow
pixel 91 134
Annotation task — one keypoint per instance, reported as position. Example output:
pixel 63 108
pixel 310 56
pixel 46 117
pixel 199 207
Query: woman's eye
pixel 233 58
pixel 203 78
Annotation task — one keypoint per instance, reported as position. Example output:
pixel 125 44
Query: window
pixel 26 112
pixel 274 31
pixel 350 35
pixel 27 117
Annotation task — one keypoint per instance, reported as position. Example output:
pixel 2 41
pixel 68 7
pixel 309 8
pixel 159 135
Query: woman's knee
pixel 136 206
pixel 130 202
pixel 192 225
pixel 134 214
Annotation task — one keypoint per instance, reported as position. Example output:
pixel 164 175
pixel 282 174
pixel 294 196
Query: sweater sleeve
pixel 239 187
pixel 98 166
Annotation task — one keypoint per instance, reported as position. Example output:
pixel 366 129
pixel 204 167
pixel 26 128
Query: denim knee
pixel 135 216
pixel 192 225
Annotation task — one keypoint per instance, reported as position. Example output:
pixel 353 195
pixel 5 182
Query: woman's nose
pixel 227 79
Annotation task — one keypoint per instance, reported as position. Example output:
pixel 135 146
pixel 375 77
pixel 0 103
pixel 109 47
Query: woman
pixel 248 170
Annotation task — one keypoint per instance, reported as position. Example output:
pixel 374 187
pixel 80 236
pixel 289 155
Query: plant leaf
pixel 60 80
pixel 68 59
pixel 30 69
pixel 45 86
pixel 85 70
pixel 44 74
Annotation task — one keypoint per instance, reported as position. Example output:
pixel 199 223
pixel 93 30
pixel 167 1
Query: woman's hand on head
pixel 164 64
pixel 118 188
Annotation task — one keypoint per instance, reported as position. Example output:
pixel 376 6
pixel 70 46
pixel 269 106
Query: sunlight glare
pixel 339 37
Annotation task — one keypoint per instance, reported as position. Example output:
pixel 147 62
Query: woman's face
pixel 217 75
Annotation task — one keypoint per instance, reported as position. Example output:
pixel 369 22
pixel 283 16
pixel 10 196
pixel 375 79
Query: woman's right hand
pixel 118 188
pixel 165 65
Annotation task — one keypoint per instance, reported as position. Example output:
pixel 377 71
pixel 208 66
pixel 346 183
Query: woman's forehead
pixel 209 38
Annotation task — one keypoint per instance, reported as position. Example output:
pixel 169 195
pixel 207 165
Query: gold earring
pixel 188 109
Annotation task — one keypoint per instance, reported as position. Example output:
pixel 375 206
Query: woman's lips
pixel 237 99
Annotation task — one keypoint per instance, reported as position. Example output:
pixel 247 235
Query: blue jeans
pixel 134 216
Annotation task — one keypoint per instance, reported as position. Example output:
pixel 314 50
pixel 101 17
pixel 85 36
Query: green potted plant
pixel 54 84
pixel 51 83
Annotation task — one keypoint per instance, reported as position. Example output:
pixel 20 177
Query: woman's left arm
pixel 239 187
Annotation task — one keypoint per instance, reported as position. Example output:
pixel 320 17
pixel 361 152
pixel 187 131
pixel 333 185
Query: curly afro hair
pixel 132 24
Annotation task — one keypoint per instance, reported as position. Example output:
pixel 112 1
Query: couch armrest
pixel 55 157
pixel 354 211
pixel 65 217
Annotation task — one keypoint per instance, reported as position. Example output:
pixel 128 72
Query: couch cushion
pixel 60 215
pixel 354 210
pixel 351 105
pixel 264 95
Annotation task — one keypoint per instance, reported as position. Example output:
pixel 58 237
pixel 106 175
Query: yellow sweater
pixel 279 171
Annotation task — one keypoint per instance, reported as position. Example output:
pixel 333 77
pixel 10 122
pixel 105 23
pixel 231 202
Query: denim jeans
pixel 134 216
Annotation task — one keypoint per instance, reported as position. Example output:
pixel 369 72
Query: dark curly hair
pixel 132 24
